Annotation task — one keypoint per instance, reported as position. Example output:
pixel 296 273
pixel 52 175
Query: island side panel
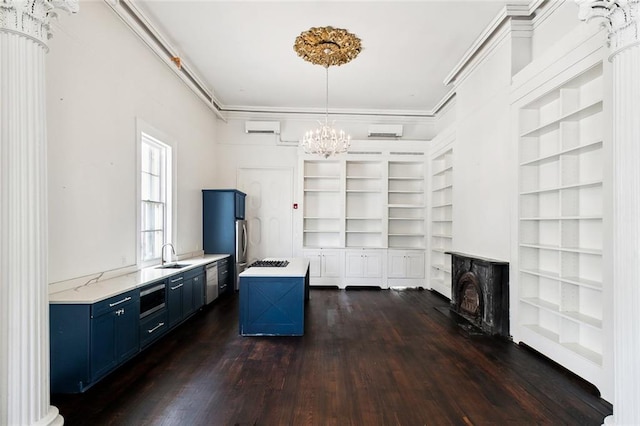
pixel 272 306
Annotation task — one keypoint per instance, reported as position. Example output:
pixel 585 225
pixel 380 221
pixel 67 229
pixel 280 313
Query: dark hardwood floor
pixel 368 357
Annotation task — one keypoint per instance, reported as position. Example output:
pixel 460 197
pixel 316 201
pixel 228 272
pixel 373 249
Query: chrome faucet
pixel 173 250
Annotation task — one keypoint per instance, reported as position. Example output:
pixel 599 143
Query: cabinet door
pixel 414 262
pixel 330 264
pixel 114 338
pixel 127 333
pixel 103 344
pixel 397 268
pixel 174 299
pixel 239 205
pixel 354 264
pixel 372 264
pixel 315 263
pixel 198 291
pixel 187 297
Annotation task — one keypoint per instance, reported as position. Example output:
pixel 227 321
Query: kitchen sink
pixel 172 266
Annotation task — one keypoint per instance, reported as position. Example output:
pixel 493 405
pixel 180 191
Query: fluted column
pixel 621 19
pixel 24 298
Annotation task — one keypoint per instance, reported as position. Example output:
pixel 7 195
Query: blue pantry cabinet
pixel 220 210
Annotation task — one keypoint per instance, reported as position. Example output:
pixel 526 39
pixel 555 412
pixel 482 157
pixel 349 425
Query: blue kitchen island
pixel 272 299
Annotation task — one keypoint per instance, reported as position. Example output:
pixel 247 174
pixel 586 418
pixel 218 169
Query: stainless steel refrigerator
pixel 242 244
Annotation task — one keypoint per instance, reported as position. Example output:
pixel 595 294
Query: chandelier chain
pixel 327 46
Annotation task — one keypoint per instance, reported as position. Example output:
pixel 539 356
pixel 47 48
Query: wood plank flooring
pixel 368 357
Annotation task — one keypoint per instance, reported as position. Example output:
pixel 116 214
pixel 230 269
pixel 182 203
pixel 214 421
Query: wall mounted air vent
pixel 385 130
pixel 268 127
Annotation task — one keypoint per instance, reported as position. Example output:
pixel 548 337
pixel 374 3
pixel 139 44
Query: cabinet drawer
pixel 152 327
pixel 115 302
pixel 193 272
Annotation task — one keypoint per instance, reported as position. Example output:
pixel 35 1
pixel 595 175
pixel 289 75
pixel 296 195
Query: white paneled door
pixel 268 211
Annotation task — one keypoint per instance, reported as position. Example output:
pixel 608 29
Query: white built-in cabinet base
pixel 384 268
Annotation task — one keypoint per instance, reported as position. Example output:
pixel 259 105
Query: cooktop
pixel 269 263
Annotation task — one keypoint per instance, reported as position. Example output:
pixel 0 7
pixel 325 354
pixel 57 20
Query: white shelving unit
pixel 406 203
pixel 363 204
pixel 322 201
pixel 560 270
pixel 362 209
pixel 441 221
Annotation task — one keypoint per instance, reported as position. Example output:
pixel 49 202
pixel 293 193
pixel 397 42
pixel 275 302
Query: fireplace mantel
pixel 480 291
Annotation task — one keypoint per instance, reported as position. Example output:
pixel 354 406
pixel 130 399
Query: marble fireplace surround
pixel 480 292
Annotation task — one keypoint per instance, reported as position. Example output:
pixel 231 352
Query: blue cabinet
pixel 224 277
pixel 153 327
pixel 88 341
pixel 185 295
pixel 199 288
pixel 273 306
pixel 239 204
pixel 193 291
pixel 175 293
pixel 220 210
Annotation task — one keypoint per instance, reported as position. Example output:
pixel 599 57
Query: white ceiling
pixel 243 51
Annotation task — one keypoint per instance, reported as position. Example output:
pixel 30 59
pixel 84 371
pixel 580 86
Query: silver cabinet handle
pixel 177 287
pixel 155 328
pixel 126 299
pixel 120 312
pixel 177 279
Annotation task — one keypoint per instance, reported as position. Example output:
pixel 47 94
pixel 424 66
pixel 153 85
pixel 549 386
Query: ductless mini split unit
pixel 264 127
pixel 385 131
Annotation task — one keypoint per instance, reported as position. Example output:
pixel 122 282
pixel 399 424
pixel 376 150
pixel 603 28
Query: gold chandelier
pixel 327 46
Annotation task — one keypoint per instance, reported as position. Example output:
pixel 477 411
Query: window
pixel 155 196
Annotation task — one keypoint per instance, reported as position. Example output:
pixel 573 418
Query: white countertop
pixel 99 290
pixel 297 267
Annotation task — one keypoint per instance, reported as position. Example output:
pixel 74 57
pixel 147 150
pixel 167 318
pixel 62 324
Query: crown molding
pixel 510 11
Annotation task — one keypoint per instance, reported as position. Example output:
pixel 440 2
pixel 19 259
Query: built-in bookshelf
pixel 322 204
pixel 406 203
pixel 441 221
pixel 560 242
pixel 363 204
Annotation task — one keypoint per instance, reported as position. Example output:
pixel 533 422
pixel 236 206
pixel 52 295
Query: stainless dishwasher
pixel 212 282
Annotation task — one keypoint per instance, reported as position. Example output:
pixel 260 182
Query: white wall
pixel 554 20
pixel 100 78
pixel 481 163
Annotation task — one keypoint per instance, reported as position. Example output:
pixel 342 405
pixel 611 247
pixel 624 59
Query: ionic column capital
pixel 620 17
pixel 32 18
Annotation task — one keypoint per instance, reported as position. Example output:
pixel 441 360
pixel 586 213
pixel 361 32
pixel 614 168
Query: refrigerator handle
pixel 245 243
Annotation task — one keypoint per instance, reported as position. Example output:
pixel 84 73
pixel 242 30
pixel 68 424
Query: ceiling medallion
pixel 327 46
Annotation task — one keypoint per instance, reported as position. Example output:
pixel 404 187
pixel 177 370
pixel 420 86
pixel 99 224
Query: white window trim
pixel 144 127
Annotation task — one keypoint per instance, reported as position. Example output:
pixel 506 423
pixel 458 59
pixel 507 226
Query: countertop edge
pixel 97 291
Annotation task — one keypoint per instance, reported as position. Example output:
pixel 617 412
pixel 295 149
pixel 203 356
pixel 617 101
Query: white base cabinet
pixel 325 266
pixel 405 268
pixel 364 268
pixel 359 206
pixel 382 268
